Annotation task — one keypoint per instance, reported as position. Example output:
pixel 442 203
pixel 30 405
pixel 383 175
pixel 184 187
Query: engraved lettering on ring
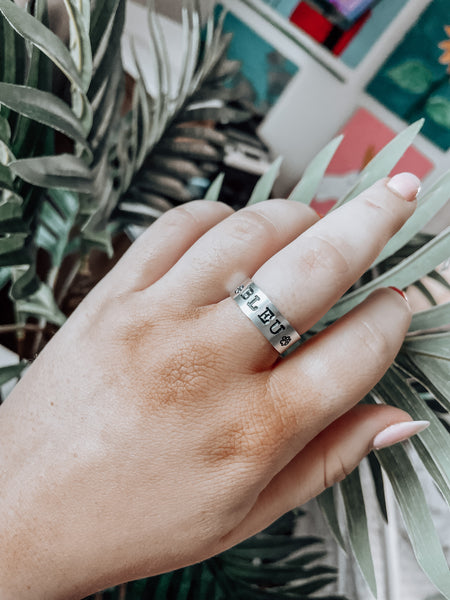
pixel 277 327
pixel 248 293
pixel 266 316
pixel 251 303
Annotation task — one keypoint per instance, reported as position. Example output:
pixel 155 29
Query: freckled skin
pixel 159 427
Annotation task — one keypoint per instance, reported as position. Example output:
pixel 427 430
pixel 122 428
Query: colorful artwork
pixel 343 12
pixel 265 69
pixel 414 82
pixel 364 136
pixel 348 28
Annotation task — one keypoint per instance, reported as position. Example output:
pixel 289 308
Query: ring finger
pixel 307 277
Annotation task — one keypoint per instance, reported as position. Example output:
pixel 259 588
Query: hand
pixel 159 427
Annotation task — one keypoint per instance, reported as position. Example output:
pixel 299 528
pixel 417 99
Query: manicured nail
pixel 320 215
pixel 402 294
pixel 398 433
pixel 405 185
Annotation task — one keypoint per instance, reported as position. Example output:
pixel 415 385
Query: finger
pixel 238 246
pixel 326 460
pixel 165 241
pixel 338 367
pixel 310 274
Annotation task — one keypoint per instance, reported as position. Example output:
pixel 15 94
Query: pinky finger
pixel 326 460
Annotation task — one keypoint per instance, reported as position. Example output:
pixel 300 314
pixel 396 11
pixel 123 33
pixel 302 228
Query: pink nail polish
pixel 398 433
pixel 405 185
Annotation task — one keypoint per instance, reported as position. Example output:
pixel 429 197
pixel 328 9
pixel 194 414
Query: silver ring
pixel 265 316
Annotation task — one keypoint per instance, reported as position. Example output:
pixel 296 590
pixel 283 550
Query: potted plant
pixel 79 165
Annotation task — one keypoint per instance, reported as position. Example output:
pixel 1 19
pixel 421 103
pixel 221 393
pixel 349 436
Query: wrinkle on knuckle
pixel 326 254
pixel 250 225
pixel 374 342
pixel 335 467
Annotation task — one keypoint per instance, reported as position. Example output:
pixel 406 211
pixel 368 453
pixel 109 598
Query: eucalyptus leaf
pixel 357 527
pixel 307 188
pixel 43 38
pixel 383 163
pixel 416 516
pixel 43 107
pixel 213 193
pixel 263 188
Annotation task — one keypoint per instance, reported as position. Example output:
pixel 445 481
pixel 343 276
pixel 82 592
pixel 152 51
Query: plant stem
pixel 14 327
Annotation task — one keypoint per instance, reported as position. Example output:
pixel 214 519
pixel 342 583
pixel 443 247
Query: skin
pixel 159 427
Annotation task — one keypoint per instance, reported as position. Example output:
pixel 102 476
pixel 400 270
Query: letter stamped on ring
pixel 265 316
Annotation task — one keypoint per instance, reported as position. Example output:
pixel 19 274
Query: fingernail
pixel 398 433
pixel 402 294
pixel 406 185
pixel 320 215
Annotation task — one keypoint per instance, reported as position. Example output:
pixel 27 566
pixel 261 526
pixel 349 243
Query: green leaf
pixel 63 171
pixel 435 345
pixel 416 516
pixel 11 218
pixel 428 205
pixel 432 444
pixel 100 240
pixel 305 191
pixel 433 318
pixel 404 274
pixel 263 188
pixel 41 304
pixel 43 107
pixel 215 188
pixel 6 179
pixel 383 163
pixel 56 219
pixel 13 250
pixel 412 76
pixel 5 130
pixel 44 39
pixel 99 29
pixel 5 276
pixel 438 109
pixel 357 527
pixel 80 45
pixel 11 372
pixel 327 505
pixel 26 282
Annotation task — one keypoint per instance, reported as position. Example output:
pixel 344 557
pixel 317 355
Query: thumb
pixel 326 460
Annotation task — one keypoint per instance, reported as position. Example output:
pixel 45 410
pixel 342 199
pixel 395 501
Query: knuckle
pixel 249 225
pixel 335 467
pixel 373 341
pixel 326 254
